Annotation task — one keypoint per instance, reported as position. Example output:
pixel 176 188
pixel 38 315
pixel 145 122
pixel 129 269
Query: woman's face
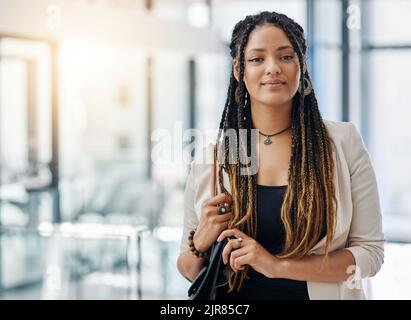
pixel 272 70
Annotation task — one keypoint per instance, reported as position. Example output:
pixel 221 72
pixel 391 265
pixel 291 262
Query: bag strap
pixel 215 171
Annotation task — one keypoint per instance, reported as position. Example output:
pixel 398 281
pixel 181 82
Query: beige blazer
pixel 359 221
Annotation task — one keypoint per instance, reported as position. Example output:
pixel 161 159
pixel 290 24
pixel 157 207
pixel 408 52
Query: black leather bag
pixel 210 276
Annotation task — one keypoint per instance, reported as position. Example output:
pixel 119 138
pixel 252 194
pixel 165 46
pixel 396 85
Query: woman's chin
pixel 275 100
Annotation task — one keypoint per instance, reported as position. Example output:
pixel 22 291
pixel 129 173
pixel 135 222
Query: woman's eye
pixel 255 60
pixel 287 58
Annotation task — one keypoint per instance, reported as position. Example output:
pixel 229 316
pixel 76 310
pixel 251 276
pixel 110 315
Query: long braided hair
pixel 307 208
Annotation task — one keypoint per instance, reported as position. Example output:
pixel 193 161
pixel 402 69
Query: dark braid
pixel 308 203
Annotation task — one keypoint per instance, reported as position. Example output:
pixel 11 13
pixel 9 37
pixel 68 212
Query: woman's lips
pixel 273 85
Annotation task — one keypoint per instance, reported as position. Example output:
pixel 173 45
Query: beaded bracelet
pixel 193 248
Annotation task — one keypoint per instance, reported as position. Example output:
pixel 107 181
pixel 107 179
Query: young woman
pixel 307 225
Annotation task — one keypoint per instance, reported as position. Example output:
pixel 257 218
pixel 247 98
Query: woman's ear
pixel 236 70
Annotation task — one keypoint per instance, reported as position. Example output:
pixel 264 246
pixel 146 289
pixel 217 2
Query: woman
pixel 307 225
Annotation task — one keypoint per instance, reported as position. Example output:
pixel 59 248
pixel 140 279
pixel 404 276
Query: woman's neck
pixel 271 119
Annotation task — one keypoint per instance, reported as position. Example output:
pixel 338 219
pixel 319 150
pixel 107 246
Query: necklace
pixel 267 140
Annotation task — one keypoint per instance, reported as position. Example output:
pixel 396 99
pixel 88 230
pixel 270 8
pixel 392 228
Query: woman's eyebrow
pixel 278 49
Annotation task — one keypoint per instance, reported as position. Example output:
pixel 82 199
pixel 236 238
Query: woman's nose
pixel 272 68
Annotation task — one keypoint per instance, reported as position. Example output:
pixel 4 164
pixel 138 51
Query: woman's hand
pixel 212 223
pixel 243 250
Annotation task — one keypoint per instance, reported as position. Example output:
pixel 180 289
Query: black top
pixel 270 234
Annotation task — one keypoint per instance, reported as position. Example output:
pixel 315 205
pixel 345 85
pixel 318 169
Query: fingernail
pixel 218 239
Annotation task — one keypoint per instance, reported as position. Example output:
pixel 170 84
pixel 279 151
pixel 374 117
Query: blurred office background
pixel 84 212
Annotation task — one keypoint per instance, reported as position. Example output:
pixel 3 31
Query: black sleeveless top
pixel 271 235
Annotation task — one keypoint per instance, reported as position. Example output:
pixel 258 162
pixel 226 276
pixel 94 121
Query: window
pixel 387 110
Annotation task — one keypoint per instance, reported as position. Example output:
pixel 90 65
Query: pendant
pixel 267 141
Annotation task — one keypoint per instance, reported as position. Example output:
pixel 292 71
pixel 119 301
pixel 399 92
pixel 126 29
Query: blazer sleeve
pixel 366 238
pixel 190 216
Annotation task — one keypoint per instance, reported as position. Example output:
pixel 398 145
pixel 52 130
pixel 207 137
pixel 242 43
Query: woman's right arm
pixel 208 227
pixel 189 265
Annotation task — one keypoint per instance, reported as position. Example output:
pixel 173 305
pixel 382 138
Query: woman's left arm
pixel 337 267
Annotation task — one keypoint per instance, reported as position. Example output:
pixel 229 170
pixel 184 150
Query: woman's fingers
pixel 219 199
pixel 238 259
pixel 232 232
pixel 225 225
pixel 224 217
pixel 231 245
pixel 212 221
pixel 211 211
